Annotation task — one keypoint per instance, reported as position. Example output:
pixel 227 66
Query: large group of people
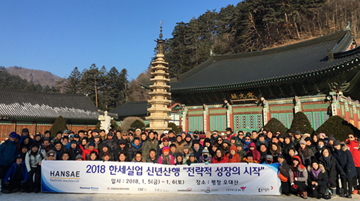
pixel 313 164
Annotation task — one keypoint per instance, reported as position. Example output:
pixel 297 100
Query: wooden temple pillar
pixel 265 111
pixel 297 105
pixel 355 115
pixel 335 105
pixel 347 111
pixel 185 120
pixel 206 118
pixel 229 117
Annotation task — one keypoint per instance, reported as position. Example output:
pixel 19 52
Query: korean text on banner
pixel 114 177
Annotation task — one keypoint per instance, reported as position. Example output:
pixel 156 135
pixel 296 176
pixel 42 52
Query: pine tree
pixel 59 125
pixel 72 85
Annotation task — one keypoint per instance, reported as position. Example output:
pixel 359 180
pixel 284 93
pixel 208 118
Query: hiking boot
pixel 6 191
pixel 304 195
pixel 355 192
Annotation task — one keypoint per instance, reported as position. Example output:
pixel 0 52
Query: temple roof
pixel 245 69
pixel 23 104
pixel 138 108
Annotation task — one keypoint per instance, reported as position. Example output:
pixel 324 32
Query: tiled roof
pixel 282 62
pixel 20 104
pixel 138 108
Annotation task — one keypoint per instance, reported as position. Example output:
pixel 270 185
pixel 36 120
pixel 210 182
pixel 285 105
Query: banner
pixel 129 177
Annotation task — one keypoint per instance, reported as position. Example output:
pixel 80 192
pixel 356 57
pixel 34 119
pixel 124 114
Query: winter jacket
pixel 74 152
pixel 203 160
pixel 223 159
pixel 345 163
pixel 160 147
pixel 147 146
pixel 301 174
pixel 322 177
pixel 12 170
pixel 162 161
pixel 354 150
pixel 86 153
pixel 179 145
pixel 256 153
pixel 8 152
pixel 198 152
pixel 284 169
pixel 330 168
pixel 306 158
pixel 112 144
pixel 133 150
pixel 46 147
pixel 149 160
pixel 32 160
pixel 233 158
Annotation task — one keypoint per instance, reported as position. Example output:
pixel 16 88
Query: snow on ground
pixel 150 197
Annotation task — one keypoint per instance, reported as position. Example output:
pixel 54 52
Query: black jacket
pixel 322 177
pixel 74 152
pixel 345 162
pixel 330 168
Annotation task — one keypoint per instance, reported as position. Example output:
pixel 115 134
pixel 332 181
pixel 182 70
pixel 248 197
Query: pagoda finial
pixel 160 35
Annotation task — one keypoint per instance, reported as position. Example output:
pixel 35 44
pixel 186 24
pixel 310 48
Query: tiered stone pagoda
pixel 159 97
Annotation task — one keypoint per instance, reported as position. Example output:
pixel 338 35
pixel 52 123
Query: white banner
pixel 114 177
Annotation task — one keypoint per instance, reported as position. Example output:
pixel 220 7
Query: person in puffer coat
pixel 345 166
pixel 353 146
pixel 33 160
pixel 317 179
pixel 232 156
pixel 16 177
pixel 298 177
pixel 255 153
pixel 329 163
pixel 284 175
pixel 149 144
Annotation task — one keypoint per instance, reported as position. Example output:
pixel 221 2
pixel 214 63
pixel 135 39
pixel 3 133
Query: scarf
pixel 327 162
pixel 166 159
pixel 316 172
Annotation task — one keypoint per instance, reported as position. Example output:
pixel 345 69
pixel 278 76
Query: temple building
pixel 319 77
pixel 38 111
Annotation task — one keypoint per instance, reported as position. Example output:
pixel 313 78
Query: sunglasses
pixel 219 140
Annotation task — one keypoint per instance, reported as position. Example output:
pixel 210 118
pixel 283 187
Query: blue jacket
pixel 8 154
pixel 11 172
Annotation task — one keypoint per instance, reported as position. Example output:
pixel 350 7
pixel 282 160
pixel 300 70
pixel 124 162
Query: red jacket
pixel 256 153
pixel 233 158
pixel 223 159
pixel 354 149
pixel 86 153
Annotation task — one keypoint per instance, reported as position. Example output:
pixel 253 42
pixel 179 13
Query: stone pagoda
pixel 159 96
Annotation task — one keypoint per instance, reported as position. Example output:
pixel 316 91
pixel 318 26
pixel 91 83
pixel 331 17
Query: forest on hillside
pixel 254 25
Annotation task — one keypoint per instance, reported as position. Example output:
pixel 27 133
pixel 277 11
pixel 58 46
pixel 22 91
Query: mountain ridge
pixel 41 77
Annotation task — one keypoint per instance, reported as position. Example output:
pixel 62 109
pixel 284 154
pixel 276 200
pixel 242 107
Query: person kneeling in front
pixel 16 177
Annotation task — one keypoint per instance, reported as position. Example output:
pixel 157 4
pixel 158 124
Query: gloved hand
pixel 342 174
pixel 295 186
pixel 295 178
pixel 7 183
pixel 207 162
pixel 23 182
pixel 189 164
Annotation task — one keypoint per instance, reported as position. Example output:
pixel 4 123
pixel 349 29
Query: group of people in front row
pixel 315 164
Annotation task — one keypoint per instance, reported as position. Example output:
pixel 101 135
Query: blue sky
pixel 57 35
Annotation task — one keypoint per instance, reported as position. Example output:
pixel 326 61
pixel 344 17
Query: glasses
pixel 247 139
pixel 219 140
pixel 124 135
